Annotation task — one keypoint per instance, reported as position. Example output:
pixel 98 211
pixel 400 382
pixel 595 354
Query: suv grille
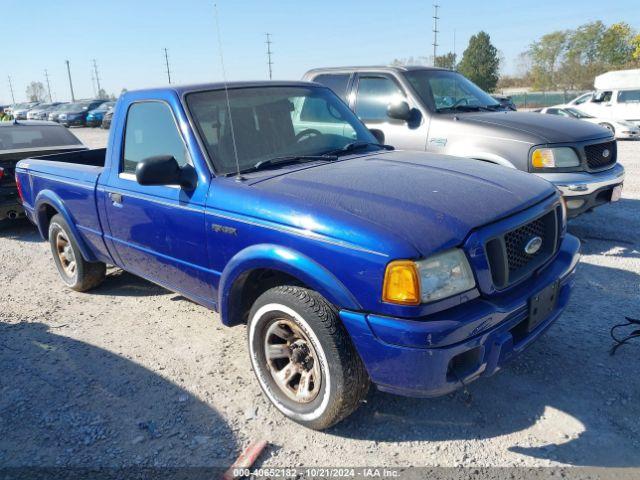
pixel 507 256
pixel 600 155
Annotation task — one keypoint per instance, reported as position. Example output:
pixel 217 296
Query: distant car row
pixel 89 113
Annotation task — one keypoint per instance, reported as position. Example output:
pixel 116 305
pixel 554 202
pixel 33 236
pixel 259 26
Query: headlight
pixel 559 157
pixel 410 283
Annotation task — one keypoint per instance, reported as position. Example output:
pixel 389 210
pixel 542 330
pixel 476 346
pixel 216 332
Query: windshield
pixel 273 122
pixel 444 91
pixel 35 136
pixel 574 112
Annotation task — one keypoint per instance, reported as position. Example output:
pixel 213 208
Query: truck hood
pixel 538 128
pixel 430 201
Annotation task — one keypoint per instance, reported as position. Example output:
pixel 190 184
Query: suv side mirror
pixel 379 134
pixel 399 111
pixel 164 170
pixel 598 97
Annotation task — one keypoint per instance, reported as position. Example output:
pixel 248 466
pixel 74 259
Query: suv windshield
pixel 269 123
pixel 446 91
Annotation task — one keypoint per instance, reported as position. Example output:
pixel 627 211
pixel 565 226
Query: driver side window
pixel 374 96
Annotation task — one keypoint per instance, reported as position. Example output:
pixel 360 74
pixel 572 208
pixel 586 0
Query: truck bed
pixel 70 179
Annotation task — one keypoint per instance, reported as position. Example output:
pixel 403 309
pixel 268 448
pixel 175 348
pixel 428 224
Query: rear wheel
pixel 74 270
pixel 303 357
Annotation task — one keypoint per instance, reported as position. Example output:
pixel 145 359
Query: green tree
pixel 480 62
pixel 615 47
pixel 448 60
pixel 546 55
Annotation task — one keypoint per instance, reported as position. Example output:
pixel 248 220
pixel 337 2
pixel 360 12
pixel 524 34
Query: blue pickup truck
pixel 349 262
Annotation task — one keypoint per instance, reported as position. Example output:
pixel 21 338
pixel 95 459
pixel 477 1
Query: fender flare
pixel 283 259
pixel 50 198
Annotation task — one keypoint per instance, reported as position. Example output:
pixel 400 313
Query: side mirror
pixel 164 170
pixel 598 97
pixel 399 111
pixel 379 134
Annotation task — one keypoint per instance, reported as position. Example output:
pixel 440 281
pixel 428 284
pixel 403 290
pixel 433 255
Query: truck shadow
pixel 577 403
pixel 67 403
pixel 125 284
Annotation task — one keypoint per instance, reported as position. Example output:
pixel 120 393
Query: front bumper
pixel 435 355
pixel 583 190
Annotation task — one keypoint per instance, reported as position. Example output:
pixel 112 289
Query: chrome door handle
pixel 115 197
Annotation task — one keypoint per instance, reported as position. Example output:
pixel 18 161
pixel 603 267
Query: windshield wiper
pixel 353 146
pixel 288 159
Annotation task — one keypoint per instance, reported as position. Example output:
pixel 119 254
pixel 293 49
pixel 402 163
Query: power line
pixel 46 75
pixel 13 98
pixel 73 98
pixel 166 61
pixel 95 68
pixel 435 32
pixel 269 53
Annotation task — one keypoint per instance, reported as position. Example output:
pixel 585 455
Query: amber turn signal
pixel 401 283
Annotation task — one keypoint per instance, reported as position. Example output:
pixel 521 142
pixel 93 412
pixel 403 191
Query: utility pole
pixel 46 75
pixel 73 98
pixel 13 98
pixel 269 53
pixel 95 68
pixel 166 61
pixel 435 32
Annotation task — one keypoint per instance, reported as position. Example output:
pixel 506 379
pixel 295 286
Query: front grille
pixel 601 155
pixel 508 260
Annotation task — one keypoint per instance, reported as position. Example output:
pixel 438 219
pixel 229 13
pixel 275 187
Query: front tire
pixel 303 357
pixel 75 271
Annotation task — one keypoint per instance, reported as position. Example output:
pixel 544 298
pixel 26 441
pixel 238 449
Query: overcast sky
pixel 127 37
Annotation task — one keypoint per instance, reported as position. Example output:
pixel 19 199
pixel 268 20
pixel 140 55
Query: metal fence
pixel 542 99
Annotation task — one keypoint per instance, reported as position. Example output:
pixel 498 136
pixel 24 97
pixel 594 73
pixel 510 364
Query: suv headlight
pixel 558 157
pixel 408 282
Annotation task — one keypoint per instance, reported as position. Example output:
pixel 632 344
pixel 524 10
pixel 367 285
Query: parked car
pixel 20 110
pixel 505 102
pixel 621 129
pixel 54 114
pixel 41 112
pixel 95 116
pixel 440 111
pixel 75 115
pixel 350 263
pixel 24 139
pixel 617 96
pixel 106 119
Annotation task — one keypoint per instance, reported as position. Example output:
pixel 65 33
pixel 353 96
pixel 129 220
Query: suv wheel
pixel 303 357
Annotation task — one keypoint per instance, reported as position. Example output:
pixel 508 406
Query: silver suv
pixel 440 111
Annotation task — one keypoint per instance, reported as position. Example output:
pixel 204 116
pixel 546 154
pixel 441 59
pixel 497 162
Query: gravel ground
pixel 132 374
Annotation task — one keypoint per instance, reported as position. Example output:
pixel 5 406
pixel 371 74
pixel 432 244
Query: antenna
pixel 46 75
pixel 226 92
pixel 13 98
pixel 95 68
pixel 435 32
pixel 455 57
pixel 73 98
pixel 269 53
pixel 166 62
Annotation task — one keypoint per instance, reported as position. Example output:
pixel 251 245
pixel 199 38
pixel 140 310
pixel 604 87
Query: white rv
pixel 617 96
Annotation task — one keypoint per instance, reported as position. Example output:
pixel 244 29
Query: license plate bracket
pixel 541 305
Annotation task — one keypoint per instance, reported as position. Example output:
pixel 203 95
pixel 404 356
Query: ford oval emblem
pixel 606 153
pixel 533 245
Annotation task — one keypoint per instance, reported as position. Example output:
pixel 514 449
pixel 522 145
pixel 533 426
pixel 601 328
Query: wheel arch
pixel 48 204
pixel 260 267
